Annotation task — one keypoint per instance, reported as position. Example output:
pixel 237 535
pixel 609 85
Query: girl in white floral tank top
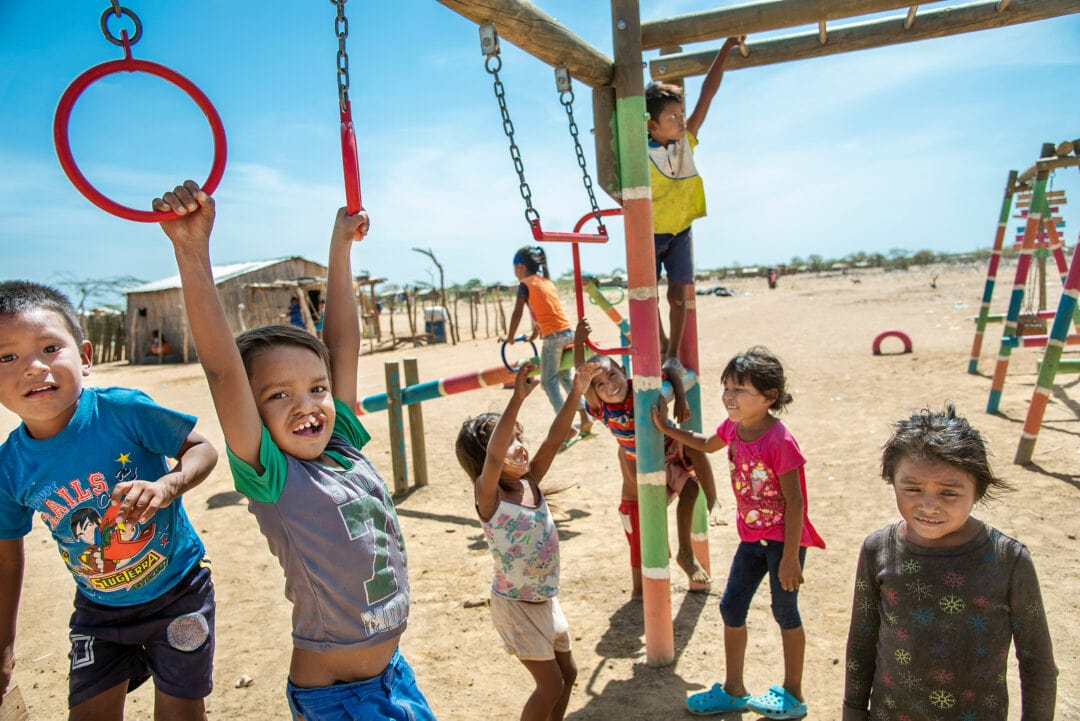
pixel 523 539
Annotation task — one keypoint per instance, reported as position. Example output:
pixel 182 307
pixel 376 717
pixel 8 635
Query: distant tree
pixel 898 253
pixel 797 261
pixel 923 257
pixel 107 292
pixel 816 262
pixel 877 260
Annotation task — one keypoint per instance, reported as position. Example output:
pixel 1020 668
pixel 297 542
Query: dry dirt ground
pixel 845 400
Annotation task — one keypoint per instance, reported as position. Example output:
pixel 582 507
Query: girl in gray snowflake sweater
pixel 940 595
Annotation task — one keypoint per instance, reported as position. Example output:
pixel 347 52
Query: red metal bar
pixel 350 162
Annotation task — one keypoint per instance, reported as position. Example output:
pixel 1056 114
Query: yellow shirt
pixel 678 195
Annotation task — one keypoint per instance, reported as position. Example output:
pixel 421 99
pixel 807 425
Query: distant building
pixel 254 293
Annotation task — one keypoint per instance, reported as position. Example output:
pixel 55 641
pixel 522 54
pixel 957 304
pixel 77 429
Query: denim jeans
pixel 390 695
pixel 552 379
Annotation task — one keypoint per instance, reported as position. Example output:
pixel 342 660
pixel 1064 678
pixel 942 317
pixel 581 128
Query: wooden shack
pixel 254 293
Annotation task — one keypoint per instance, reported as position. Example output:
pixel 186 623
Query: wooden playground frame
pixel 622 168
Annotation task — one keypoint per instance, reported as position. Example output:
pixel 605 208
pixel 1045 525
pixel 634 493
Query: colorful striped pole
pixel 1051 358
pixel 641 268
pixel 700 525
pixel 1023 264
pixel 991 271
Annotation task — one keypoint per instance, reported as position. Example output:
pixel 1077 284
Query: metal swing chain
pixel 566 97
pixel 341 28
pixel 489 44
pixel 117 10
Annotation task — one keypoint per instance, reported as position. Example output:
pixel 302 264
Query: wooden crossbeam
pixel 933 23
pixel 757 17
pixel 540 35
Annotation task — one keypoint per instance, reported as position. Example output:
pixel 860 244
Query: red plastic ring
pixel 63 146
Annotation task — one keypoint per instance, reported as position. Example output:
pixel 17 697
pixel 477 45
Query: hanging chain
pixel 566 97
pixel 117 10
pixel 341 28
pixel 489 44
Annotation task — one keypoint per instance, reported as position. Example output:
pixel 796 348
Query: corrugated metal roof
pixel 222 273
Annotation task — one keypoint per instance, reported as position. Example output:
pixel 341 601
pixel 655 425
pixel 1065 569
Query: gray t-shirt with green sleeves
pixel 336 535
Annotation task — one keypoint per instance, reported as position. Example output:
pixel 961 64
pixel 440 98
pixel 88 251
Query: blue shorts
pixel 751 563
pixel 675 251
pixel 390 695
pixel 170 638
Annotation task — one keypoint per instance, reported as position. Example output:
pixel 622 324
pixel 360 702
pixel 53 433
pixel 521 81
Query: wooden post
pixel 416 427
pixel 397 428
pixel 641 269
pixel 607 160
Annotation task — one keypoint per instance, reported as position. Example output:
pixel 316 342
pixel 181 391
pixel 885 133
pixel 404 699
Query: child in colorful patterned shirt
pixel 940 595
pixel 523 540
pixel 769 482
pixel 610 398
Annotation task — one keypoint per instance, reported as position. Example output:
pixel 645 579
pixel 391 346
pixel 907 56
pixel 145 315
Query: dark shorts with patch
pixel 675 251
pixel 170 639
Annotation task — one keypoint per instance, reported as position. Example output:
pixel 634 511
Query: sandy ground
pixel 845 400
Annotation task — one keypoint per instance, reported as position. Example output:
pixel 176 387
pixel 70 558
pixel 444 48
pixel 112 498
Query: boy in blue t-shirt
pixel 91 462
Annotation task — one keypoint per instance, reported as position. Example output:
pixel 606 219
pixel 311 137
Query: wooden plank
pixel 416 427
pixel 14 708
pixel 757 17
pixel 538 34
pixel 871 34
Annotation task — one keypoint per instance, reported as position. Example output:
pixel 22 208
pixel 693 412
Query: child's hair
pixel 252 342
pixel 761 369
pixel 944 437
pixel 19 296
pixel 659 95
pixel 533 258
pixel 472 442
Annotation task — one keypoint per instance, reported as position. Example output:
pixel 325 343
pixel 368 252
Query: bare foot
pixel 571 434
pixel 689 564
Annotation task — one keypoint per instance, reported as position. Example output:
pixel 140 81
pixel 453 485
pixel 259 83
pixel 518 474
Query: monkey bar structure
pixel 623 172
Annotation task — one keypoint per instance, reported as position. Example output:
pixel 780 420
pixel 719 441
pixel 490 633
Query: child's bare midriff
pixel 311 669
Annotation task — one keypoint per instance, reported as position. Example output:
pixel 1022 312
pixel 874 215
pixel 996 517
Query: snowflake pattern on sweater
pixel 931 630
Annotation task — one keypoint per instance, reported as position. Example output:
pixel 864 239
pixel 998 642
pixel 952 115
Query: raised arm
pixel 690 439
pixel 709 86
pixel 486 487
pixel 515 317
pixel 214 344
pixel 564 419
pixel 11 576
pixel 341 325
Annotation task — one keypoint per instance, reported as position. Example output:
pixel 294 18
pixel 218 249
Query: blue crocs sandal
pixel 715 700
pixel 777 704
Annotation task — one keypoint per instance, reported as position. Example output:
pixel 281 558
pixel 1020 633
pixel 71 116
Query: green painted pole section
pixel 632 147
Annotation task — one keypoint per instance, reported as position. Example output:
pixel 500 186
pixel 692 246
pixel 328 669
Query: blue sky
pixel 903 147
